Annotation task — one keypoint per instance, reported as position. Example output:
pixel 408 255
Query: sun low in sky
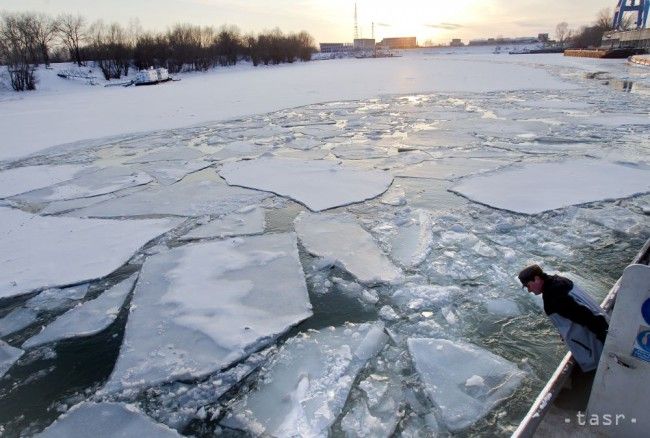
pixel 333 20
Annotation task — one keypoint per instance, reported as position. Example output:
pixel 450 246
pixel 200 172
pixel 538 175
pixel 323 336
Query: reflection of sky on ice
pixel 459 286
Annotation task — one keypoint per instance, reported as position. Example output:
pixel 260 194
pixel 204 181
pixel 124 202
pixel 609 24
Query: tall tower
pixel 356 23
pixel 640 7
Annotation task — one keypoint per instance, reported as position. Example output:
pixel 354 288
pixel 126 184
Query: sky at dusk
pixel 333 20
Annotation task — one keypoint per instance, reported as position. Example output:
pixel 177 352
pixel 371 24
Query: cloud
pixel 445 26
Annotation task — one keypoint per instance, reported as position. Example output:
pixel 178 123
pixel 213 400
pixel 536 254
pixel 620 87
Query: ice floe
pixel 304 388
pixel 317 184
pixel 245 221
pixel 25 179
pixel 185 198
pixel 40 252
pixel 465 382
pixel 200 307
pixel 411 244
pixel 8 356
pixel 105 420
pixel 86 319
pixel 340 238
pixel 537 187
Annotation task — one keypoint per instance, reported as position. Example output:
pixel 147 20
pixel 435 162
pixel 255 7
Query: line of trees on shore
pixel 30 39
pixel 590 36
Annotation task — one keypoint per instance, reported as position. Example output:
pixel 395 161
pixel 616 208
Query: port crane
pixel 640 7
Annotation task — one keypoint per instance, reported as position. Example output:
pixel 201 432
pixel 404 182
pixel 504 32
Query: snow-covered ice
pixel 25 179
pixel 105 420
pixel 304 388
pixel 339 237
pixel 245 221
pixel 537 187
pixel 86 319
pixel 169 172
pixel 446 368
pixel 8 356
pixel 38 252
pixel 200 307
pixel 319 185
pixel 186 198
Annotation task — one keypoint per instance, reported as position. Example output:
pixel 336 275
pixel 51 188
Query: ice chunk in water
pixel 86 319
pixel 24 179
pixel 248 221
pixel 105 420
pixel 341 238
pixel 450 373
pixel 185 198
pixel 8 356
pixel 64 250
pixel 304 388
pixel 412 243
pixel 48 300
pixel 201 307
pixel 317 184
pixel 573 182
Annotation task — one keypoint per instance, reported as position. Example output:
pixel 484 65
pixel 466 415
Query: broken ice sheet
pixel 537 187
pixel 464 381
pixel 190 197
pixel 319 185
pixel 448 168
pixel 25 179
pixel 304 388
pixel 435 138
pixel 169 172
pixel 38 252
pixel 50 300
pixel 359 151
pixel 245 221
pixel 340 238
pixel 8 356
pixel 86 319
pixel 105 420
pixel 90 183
pixel 201 307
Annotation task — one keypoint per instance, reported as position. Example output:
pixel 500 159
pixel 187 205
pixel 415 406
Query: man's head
pixel 532 278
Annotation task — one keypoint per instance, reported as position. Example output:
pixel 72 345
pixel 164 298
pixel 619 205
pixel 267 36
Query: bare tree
pixel 72 31
pixel 43 30
pixel 562 33
pixel 16 50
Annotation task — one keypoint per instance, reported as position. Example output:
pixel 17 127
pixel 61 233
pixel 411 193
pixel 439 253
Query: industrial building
pixel 335 47
pixel 637 39
pixel 364 44
pixel 456 42
pixel 399 43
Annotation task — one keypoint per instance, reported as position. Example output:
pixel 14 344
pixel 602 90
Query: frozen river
pixel 344 268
